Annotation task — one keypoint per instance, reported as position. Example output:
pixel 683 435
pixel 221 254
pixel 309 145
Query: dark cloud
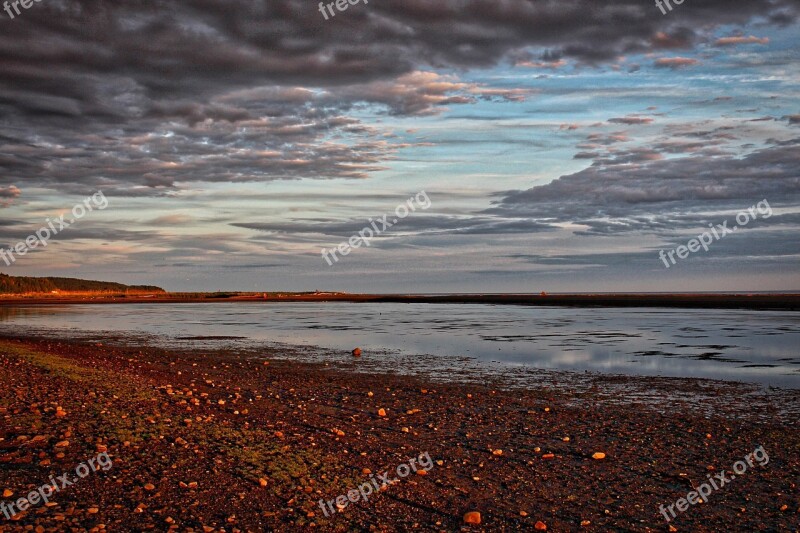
pixel 658 194
pixel 9 192
pixel 144 98
pixel 415 224
pixel 631 120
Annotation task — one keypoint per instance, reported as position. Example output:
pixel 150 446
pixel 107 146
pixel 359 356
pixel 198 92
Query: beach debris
pixel 357 352
pixel 472 517
pixel 598 455
pixel 7 493
pixel 548 456
pixel 541 526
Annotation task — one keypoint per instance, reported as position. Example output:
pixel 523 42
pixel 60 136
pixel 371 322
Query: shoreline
pixel 778 302
pixel 207 438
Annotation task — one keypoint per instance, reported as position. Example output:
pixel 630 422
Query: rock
pixel 541 526
pixel 497 452
pixel 585 522
pixel 523 514
pixel 149 486
pixel 262 482
pixel 62 444
pixel 7 493
pixel 472 517
pixel 548 456
pixel 357 352
pixel 93 510
pixel 381 412
pixel 598 456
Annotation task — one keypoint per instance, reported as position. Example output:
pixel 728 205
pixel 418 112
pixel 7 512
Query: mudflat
pixel 782 301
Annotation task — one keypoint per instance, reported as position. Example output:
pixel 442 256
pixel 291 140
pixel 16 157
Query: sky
pixel 559 145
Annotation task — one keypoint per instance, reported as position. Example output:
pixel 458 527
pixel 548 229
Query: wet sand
pixel 207 441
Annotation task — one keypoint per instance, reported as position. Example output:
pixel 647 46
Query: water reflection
pixel 757 346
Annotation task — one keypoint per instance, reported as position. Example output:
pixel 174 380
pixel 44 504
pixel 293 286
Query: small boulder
pixel 472 517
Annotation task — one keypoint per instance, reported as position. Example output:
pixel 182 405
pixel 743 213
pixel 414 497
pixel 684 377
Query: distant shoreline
pixel 786 302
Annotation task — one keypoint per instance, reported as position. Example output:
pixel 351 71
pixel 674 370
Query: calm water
pixel 754 346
